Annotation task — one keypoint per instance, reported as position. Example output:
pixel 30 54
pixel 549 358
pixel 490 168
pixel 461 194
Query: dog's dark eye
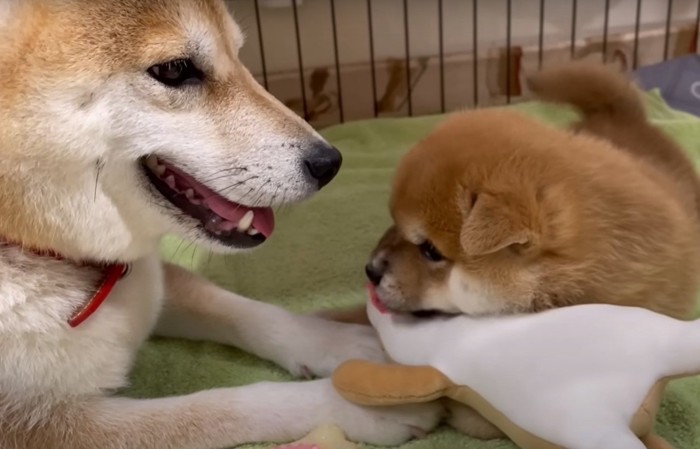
pixel 177 73
pixel 430 252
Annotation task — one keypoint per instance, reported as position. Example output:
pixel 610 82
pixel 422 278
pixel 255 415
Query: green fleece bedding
pixel 316 260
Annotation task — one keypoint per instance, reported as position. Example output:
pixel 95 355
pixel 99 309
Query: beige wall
pixel 316 37
pixel 462 88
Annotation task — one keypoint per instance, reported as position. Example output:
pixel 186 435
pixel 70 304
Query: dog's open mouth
pixel 230 223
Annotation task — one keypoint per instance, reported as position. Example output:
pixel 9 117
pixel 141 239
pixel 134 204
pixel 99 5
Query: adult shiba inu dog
pixel 121 121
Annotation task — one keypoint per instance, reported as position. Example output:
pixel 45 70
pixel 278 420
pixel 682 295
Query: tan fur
pixel 79 114
pixel 529 217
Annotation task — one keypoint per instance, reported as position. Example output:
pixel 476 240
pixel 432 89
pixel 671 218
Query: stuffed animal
pixel 579 377
pixel 323 437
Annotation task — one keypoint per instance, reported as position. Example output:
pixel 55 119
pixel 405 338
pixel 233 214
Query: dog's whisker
pixel 98 170
pixel 177 250
pixel 261 193
pixel 237 184
pixel 209 258
pixel 192 258
pixel 190 244
pixel 219 174
pixel 251 191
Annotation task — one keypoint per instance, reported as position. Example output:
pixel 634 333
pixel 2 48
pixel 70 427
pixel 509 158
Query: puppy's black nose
pixel 323 163
pixel 374 274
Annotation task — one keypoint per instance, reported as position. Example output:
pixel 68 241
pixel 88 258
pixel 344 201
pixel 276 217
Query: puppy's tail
pixel 596 91
pixel 612 108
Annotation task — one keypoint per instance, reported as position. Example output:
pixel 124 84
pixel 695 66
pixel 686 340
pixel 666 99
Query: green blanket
pixel 316 260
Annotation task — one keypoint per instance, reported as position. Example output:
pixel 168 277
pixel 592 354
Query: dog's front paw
pixel 385 425
pixel 320 346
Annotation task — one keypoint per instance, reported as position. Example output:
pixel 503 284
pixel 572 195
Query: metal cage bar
pixel 370 29
pixel 574 11
pixel 638 16
pixel 441 50
pixel 301 59
pixel 540 38
pixel 667 33
pixel 606 22
pixel 697 27
pixel 336 57
pixel 475 50
pixel 509 17
pixel 407 50
pixel 258 24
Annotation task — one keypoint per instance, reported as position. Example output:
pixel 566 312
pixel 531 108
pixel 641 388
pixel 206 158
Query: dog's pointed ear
pixel 492 223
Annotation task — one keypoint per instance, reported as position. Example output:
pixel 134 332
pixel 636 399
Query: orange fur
pixel 529 217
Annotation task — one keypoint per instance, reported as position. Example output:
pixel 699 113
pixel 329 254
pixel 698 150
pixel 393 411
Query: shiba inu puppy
pixel 496 213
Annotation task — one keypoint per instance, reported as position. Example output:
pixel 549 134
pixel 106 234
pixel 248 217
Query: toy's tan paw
pixel 324 437
pixel 468 421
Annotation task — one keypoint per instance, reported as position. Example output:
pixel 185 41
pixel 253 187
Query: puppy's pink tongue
pixel 376 302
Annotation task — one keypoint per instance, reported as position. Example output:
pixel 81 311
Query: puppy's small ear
pixel 491 224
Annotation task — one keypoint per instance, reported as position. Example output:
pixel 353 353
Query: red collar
pixel 111 274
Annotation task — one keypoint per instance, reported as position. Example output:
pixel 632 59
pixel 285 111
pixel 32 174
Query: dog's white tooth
pixel 228 226
pixel 246 221
pixel 159 170
pixel 253 231
pixel 152 162
pixel 196 202
pixel 189 193
pixel 170 181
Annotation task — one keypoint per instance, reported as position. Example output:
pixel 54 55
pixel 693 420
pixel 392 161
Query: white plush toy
pixel 580 377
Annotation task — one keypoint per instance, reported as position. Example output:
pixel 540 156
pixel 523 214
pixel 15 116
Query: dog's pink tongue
pixel 263 220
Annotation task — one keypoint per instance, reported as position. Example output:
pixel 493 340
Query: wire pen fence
pixel 326 60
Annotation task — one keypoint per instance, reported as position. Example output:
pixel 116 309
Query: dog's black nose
pixel 374 274
pixel 323 163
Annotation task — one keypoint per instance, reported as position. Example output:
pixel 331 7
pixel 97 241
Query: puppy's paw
pixel 385 426
pixel 320 346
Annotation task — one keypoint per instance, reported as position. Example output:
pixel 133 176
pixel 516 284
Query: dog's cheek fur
pixel 263 136
pixel 403 283
pixel 492 289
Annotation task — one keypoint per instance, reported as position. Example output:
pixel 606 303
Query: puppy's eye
pixel 431 253
pixel 177 73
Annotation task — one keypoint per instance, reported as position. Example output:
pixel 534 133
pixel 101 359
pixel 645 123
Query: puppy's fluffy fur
pixel 79 113
pixel 497 213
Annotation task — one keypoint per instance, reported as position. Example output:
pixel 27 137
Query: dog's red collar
pixel 112 273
